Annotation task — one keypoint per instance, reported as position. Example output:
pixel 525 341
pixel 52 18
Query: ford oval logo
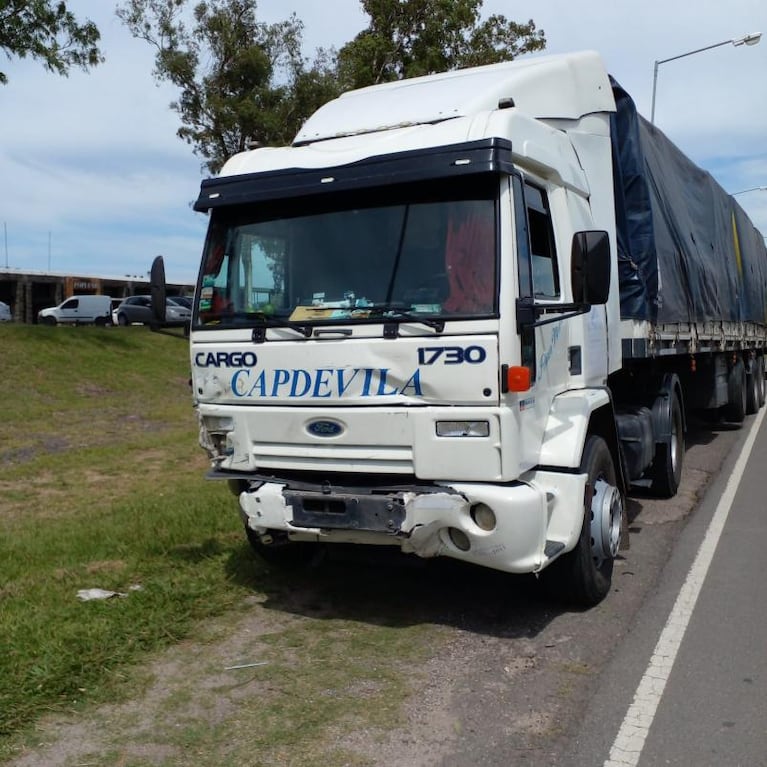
pixel 325 428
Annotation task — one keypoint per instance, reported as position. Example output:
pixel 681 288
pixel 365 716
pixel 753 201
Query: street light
pixel 747 40
pixel 750 189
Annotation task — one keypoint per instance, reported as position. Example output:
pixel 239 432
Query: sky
pixel 95 181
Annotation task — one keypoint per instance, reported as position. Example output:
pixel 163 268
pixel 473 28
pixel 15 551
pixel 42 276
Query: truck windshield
pixel 404 252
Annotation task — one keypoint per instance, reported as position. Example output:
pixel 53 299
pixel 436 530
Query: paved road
pixel 689 686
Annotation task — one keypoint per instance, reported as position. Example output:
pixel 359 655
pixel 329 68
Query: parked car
pixel 5 312
pixel 78 310
pixel 183 300
pixel 138 309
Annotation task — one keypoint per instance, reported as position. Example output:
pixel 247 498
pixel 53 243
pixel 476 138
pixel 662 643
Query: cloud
pixel 93 161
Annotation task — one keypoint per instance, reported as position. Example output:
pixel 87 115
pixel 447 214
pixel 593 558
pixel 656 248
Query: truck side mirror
pixel 590 267
pixel 157 291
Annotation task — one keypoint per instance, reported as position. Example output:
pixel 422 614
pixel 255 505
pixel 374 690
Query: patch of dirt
pixel 192 681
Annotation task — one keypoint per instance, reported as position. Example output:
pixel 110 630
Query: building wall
pixel 29 292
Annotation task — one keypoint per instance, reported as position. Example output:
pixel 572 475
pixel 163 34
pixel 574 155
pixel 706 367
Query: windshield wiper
pixel 392 313
pixel 270 321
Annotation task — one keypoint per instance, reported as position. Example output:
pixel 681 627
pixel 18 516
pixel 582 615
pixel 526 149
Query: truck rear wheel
pixel 583 576
pixel 666 469
pixel 753 387
pixel 760 380
pixel 735 409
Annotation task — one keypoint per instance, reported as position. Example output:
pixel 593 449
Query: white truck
pixel 463 314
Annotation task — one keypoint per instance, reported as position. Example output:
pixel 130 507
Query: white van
pixel 79 310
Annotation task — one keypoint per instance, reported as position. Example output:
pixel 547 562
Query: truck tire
pixel 583 576
pixel 760 380
pixel 752 388
pixel 666 470
pixel 735 409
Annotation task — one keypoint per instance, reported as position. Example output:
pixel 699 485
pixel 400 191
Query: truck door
pixel 543 348
pixel 70 311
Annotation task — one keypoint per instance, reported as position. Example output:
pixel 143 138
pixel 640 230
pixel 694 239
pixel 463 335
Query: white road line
pixel 628 744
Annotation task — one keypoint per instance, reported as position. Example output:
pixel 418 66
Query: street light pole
pixel 747 40
pixel 750 189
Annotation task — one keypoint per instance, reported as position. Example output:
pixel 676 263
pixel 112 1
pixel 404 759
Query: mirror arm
pixel 528 313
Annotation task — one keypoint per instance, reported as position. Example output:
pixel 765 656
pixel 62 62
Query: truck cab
pixel 405 323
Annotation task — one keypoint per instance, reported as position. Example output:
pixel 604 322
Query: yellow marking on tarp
pixel 736 242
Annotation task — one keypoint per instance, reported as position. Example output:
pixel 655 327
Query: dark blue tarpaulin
pixel 687 252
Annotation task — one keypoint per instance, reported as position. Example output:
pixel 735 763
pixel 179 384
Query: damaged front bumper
pixel 518 527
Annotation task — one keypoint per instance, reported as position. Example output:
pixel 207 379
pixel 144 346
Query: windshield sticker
pixel 326 313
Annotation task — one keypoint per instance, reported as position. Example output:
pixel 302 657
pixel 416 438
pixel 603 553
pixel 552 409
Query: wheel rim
pixel 676 444
pixel 674 447
pixel 606 515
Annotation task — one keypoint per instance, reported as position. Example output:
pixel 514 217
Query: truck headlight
pixel 463 429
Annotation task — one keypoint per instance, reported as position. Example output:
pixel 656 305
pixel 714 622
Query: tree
pixel 241 81
pixel 407 38
pixel 46 30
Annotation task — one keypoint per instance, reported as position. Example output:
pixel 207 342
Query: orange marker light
pixel 518 378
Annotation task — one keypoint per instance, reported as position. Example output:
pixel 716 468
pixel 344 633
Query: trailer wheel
pixel 282 553
pixel 583 576
pixel 735 409
pixel 752 389
pixel 666 469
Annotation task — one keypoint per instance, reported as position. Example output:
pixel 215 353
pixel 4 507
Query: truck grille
pixel 342 458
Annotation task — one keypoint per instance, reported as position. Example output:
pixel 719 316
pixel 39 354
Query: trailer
pixel 463 315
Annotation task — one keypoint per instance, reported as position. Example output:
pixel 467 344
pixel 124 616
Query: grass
pixel 101 485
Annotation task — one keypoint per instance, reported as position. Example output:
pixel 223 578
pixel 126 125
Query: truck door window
pixel 524 270
pixel 543 254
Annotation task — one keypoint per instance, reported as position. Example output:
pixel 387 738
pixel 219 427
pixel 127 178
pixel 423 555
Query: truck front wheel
pixel 583 576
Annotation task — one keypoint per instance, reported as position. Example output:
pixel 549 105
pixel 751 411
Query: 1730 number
pixel 451 355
